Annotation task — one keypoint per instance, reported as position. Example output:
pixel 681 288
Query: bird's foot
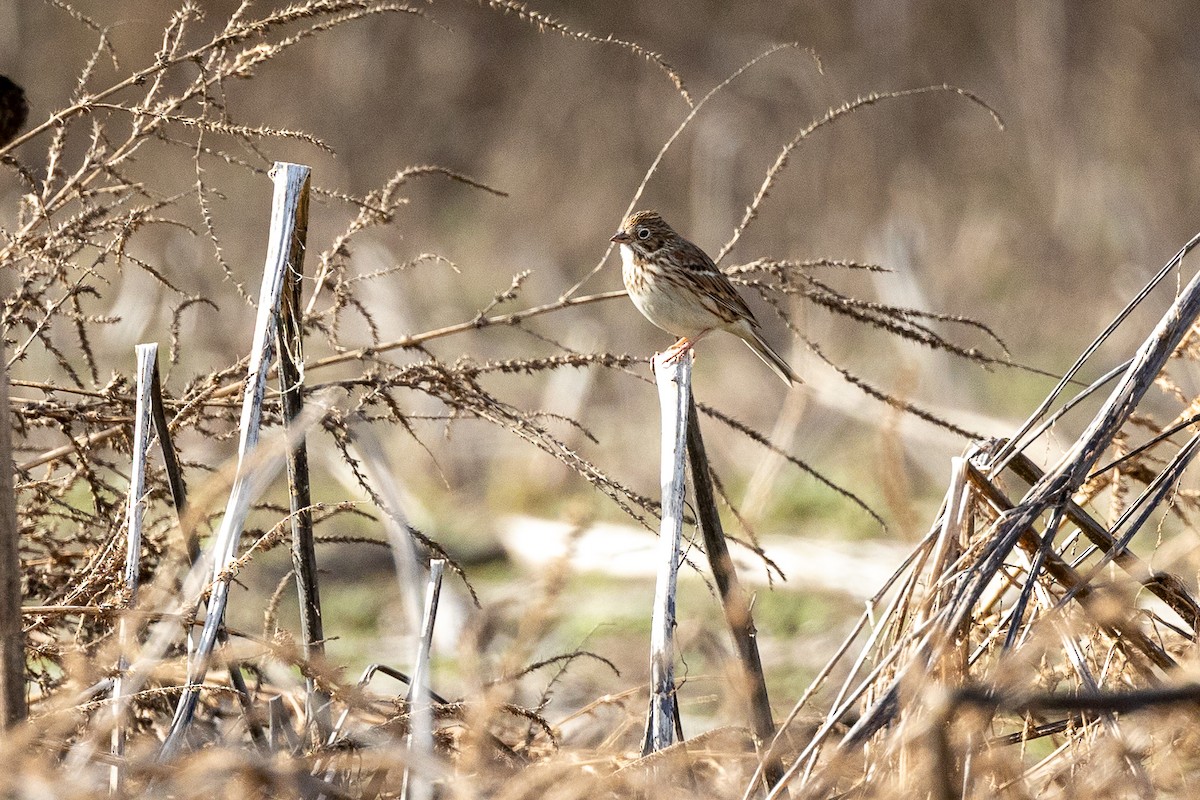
pixel 676 351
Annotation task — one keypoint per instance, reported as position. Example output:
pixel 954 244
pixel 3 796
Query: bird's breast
pixel 629 270
pixel 661 301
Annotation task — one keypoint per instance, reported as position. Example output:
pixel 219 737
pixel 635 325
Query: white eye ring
pixel 643 233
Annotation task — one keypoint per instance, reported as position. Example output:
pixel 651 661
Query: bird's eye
pixel 643 233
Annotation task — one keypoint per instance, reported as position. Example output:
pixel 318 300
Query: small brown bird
pixel 678 287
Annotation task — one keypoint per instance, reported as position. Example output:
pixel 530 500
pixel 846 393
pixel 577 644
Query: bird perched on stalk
pixel 678 287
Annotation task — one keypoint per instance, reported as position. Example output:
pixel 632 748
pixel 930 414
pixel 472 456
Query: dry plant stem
pixel 733 599
pixel 363 680
pixel 420 711
pixel 1038 547
pixel 544 23
pixel 280 735
pixel 1146 446
pixel 1000 463
pixel 151 113
pixel 434 697
pixel 135 504
pixel 674 379
pixel 832 115
pixel 1069 578
pixel 954 521
pixel 289 181
pixel 235 31
pixel 888 700
pixel 1016 443
pixel 1167 587
pixel 1097 702
pixel 1079 662
pixel 12 639
pixel 358 354
pixel 944 775
pixel 264 464
pixel 329 767
pixel 290 346
pixel 1150 500
pixel 909 569
pixel 667 146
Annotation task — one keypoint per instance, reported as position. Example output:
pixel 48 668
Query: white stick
pixel 674 379
pixel 416 786
pixel 135 503
pixel 291 184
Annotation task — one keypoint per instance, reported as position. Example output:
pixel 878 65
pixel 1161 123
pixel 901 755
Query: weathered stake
pixel 12 639
pixel 135 505
pixel 733 599
pixel 416 786
pixel 290 181
pixel 290 344
pixel 166 446
pixel 674 379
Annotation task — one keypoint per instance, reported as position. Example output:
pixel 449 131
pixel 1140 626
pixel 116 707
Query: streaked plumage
pixel 678 288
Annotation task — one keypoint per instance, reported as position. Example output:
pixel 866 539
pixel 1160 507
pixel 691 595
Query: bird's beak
pixel 621 237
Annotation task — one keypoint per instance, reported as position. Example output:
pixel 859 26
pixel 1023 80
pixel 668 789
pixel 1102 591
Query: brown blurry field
pixel 931 261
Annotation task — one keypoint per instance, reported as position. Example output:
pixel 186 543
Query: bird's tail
pixel 771 358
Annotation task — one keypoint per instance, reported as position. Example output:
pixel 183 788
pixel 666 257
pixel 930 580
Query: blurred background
pixel 1042 231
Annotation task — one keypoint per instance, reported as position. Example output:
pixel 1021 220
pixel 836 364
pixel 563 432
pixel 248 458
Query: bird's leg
pixel 676 351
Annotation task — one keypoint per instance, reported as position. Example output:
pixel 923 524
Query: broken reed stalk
pixel 290 344
pixel 1167 587
pixel 1028 433
pixel 1054 489
pixel 416 786
pixel 733 599
pixel 289 181
pixel 674 379
pixel 1052 492
pixel 135 506
pixel 12 637
pixel 1121 626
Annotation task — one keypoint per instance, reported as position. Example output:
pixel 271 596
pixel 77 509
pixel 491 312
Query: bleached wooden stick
pixel 135 504
pixel 416 786
pixel 674 379
pixel 291 181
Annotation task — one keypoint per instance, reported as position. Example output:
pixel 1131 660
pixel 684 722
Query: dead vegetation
pixel 1032 645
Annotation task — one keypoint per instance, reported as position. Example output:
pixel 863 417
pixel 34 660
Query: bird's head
pixel 645 233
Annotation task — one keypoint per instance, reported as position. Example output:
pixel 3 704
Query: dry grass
pixel 1002 658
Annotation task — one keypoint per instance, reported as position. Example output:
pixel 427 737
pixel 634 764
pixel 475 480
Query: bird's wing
pixel 719 294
